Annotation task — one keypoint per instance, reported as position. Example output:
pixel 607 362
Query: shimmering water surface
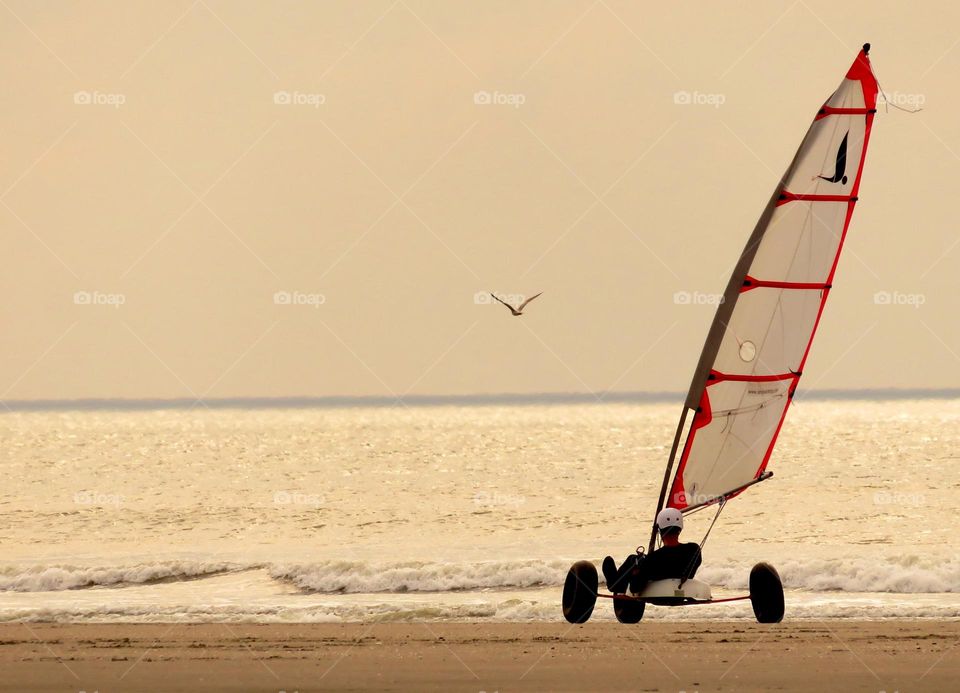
pixel 454 512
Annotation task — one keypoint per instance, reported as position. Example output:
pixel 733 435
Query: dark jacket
pixel 680 561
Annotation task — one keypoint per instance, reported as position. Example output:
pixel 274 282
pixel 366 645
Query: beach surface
pixel 847 655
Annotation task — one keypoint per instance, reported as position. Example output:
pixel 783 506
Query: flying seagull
pixel 515 311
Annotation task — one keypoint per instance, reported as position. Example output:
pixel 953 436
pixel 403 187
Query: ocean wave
pixel 906 574
pixel 67 577
pixel 414 576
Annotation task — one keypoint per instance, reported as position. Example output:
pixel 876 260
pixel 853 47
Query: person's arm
pixel 647 570
pixel 693 560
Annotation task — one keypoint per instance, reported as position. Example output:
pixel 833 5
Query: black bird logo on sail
pixel 839 173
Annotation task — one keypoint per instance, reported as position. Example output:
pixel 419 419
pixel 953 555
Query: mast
pixel 666 476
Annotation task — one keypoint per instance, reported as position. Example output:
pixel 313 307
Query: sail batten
pixel 759 341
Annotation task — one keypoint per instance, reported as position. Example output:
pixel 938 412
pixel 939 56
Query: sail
pixel 758 343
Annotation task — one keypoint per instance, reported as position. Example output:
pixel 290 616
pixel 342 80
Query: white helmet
pixel 669 517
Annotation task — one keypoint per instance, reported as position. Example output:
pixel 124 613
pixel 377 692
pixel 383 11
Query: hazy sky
pixel 180 163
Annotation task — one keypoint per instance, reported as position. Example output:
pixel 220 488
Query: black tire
pixel 766 593
pixel 580 592
pixel 628 610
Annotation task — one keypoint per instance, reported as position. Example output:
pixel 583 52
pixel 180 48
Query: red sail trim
pixel 863 157
pixel 829 111
pixel 751 283
pixel 786 196
pixel 718 377
pixel 704 415
pixel 861 70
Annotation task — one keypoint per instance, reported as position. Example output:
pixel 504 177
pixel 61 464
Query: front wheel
pixel 580 592
pixel 628 610
pixel 766 593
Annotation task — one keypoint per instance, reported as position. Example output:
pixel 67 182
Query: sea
pixel 456 512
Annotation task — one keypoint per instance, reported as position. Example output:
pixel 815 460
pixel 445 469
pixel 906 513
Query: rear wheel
pixel 580 592
pixel 628 610
pixel 766 593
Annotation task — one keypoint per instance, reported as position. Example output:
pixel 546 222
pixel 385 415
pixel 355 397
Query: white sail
pixel 761 335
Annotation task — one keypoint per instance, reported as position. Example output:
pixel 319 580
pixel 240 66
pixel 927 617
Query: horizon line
pixel 492 399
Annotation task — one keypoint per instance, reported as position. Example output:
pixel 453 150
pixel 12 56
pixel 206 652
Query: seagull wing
pixel 524 304
pixel 512 309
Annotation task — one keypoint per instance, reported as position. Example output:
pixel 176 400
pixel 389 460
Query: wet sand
pixel 652 656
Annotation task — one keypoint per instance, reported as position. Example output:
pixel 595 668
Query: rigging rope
pixel 703 542
pixel 887 102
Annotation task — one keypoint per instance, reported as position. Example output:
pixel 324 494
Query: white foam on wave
pixel 905 574
pixel 414 576
pixel 900 575
pixel 540 606
pixel 66 577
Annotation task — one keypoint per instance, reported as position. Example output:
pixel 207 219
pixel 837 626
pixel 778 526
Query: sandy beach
pixel 825 655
